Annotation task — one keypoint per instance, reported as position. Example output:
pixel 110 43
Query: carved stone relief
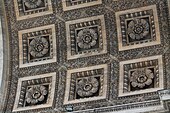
pixel 31 8
pixel 37 46
pixel 74 4
pixel 86 84
pixel 164 94
pixel 109 55
pixel 138 27
pixel 141 76
pixel 35 92
pixel 86 37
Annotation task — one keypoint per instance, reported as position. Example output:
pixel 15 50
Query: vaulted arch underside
pixel 85 56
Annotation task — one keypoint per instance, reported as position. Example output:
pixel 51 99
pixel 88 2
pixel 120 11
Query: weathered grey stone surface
pixel 85 56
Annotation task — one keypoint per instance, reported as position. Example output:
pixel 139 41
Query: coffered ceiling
pixel 88 56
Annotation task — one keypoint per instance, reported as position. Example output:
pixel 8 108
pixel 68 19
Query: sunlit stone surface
pixel 1 54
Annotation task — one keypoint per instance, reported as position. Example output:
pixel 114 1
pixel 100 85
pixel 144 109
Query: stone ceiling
pixel 87 56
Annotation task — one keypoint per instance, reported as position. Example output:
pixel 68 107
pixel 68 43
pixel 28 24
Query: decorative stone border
pixel 164 94
pixel 138 28
pixel 24 86
pixel 86 37
pixel 37 46
pixel 25 10
pixel 151 67
pixel 147 106
pixel 75 4
pixel 94 77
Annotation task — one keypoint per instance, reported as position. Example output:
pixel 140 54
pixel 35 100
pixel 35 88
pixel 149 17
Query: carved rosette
pixel 25 9
pixel 38 47
pixel 87 38
pixel 137 28
pixel 36 94
pixel 33 3
pixel 87 86
pixel 141 77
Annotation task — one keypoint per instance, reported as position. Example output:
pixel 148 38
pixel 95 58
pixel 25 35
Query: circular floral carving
pixel 141 77
pixel 87 86
pixel 36 94
pixel 138 29
pixel 87 38
pixel 38 47
pixel 32 3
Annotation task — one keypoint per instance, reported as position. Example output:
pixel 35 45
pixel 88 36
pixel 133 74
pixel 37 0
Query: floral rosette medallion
pixel 141 77
pixel 87 38
pixel 33 3
pixel 38 47
pixel 138 29
pixel 36 94
pixel 87 87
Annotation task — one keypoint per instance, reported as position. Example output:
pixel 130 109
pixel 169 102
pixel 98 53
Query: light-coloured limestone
pixel 1 54
pixel 20 85
pixel 121 76
pixel 66 8
pixel 68 82
pixel 134 46
pixel 21 46
pixel 49 11
pixel 103 33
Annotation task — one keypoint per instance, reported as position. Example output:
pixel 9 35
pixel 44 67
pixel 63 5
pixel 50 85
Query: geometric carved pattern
pixel 86 84
pixel 141 76
pixel 136 27
pixel 37 46
pixel 32 8
pixel 35 92
pixel 74 4
pixel 86 37
pixel 82 47
pixel 164 94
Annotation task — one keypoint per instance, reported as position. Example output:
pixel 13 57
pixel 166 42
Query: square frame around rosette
pixel 138 28
pixel 141 76
pixel 35 92
pixel 28 9
pixel 86 84
pixel 37 46
pixel 75 4
pixel 86 37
